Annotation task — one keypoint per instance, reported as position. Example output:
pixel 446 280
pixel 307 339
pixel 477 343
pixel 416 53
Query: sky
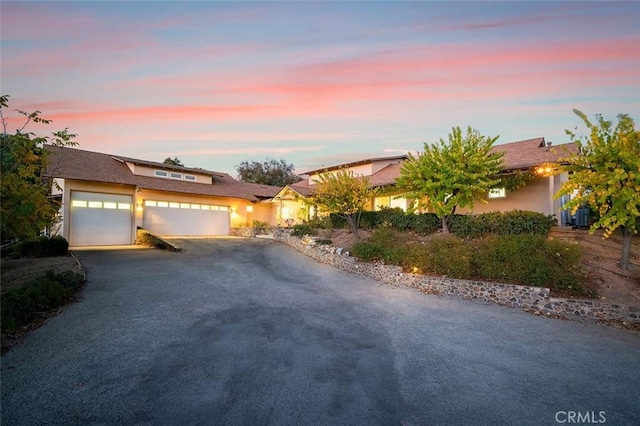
pixel 314 83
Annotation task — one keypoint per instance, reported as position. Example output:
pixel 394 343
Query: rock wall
pixel 536 299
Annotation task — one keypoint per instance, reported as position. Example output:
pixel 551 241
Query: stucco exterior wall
pixel 139 170
pixel 265 212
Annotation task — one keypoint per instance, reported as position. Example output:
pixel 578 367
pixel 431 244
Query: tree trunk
pixel 626 247
pixel 445 225
pixel 445 221
pixel 354 227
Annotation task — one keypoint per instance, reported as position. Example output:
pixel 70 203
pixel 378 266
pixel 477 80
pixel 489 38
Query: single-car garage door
pixel 174 218
pixel 100 219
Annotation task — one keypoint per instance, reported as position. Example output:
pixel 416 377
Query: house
pixel 380 171
pixel 104 198
pixel 534 158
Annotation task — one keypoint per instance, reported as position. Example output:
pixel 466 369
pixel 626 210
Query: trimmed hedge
pixel 38 247
pixel 37 297
pixel 464 226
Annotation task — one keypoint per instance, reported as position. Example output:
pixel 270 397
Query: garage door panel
pixel 181 221
pixel 100 219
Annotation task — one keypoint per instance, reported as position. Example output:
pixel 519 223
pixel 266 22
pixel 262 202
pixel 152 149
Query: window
pixel 124 206
pixel 161 173
pixel 205 207
pixel 110 205
pixel 189 177
pixel 497 193
pixel 79 203
pixel 195 206
pixel 223 208
pixel 185 205
pixel 163 204
pixel 174 205
pixel 176 175
pixel 150 203
pixel 95 204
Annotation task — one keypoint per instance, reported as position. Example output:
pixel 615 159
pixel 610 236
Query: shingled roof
pixel 525 154
pixel 72 163
pixel 355 163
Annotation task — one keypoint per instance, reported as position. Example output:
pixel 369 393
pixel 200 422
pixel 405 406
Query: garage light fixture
pixel 249 209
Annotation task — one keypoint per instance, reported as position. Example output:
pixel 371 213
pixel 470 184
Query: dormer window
pixel 167 174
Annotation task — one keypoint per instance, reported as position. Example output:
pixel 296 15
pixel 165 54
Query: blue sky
pixel 216 83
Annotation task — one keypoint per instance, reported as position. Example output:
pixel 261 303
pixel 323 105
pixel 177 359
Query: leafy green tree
pixel 175 161
pixel 451 174
pixel 26 207
pixel 269 172
pixel 344 194
pixel 605 174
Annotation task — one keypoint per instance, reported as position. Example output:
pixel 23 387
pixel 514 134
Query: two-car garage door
pixel 190 219
pixel 100 219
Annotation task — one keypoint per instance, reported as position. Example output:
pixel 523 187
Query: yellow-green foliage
pixel 451 174
pixel 606 176
pixel 343 193
pixel 606 173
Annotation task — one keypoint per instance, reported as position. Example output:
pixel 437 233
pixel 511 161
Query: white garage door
pixel 173 218
pixel 100 219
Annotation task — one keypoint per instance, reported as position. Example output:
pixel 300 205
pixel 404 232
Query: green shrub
pixel 426 223
pixel 513 222
pixel 531 260
pixel 524 259
pixel 443 255
pixel 20 305
pixel 338 221
pixel 260 225
pixel 382 245
pixel 38 247
pixel 319 222
pixel 301 229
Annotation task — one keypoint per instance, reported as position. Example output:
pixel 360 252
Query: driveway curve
pixel 238 331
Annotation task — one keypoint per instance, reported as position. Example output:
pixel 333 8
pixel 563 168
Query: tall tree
pixel 26 208
pixel 605 174
pixel 269 172
pixel 452 173
pixel 344 194
pixel 175 161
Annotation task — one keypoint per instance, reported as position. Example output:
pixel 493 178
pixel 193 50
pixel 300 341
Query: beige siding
pixel 150 171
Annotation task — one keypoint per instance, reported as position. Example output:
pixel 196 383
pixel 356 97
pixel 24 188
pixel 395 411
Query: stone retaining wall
pixel 517 296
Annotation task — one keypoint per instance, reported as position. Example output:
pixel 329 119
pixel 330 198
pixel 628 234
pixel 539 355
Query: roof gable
pixel 72 163
pixel 355 163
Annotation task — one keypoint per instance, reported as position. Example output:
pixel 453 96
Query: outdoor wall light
pixel 249 209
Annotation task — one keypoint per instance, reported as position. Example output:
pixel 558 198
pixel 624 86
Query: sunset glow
pixel 216 83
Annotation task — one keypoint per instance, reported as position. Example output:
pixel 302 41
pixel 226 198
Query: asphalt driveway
pixel 252 332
